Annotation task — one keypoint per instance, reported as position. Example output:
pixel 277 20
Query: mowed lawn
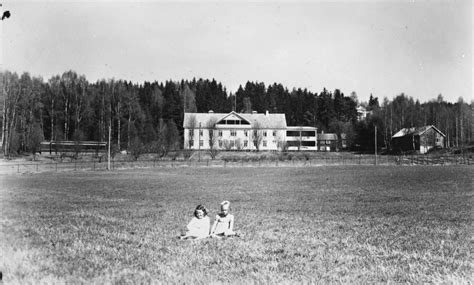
pixel 349 224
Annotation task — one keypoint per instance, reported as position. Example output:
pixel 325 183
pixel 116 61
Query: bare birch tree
pixel 212 129
pixel 257 135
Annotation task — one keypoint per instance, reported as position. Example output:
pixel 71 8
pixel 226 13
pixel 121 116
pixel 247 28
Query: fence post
pixel 18 168
pixel 94 166
pixel 56 167
pixel 75 162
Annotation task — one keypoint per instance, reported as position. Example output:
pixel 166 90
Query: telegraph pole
pixel 108 157
pixel 375 145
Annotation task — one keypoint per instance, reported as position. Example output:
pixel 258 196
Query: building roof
pixel 264 121
pixel 327 137
pixel 415 131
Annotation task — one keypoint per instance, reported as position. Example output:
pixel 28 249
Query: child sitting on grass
pixel 198 227
pixel 224 223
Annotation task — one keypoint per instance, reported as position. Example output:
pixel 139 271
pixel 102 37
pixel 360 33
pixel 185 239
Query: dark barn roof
pixel 415 131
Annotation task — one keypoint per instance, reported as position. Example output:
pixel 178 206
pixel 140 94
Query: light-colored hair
pixel 225 203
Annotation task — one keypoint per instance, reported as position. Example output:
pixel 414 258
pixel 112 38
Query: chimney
pixel 211 112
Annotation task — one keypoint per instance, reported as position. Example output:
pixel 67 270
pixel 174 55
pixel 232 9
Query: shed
pixel 420 139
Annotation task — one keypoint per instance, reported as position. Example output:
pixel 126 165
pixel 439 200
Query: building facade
pixel 234 131
pixel 301 138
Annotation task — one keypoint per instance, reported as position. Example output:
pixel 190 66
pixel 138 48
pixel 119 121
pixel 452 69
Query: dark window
pixel 303 143
pixel 293 143
pixel 308 134
pixel 293 133
pixel 308 143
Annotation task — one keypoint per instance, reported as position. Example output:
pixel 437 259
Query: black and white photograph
pixel 236 142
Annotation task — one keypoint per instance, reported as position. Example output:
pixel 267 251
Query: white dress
pixel 198 228
pixel 223 224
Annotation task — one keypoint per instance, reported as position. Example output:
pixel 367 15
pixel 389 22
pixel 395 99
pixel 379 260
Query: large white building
pixel 243 131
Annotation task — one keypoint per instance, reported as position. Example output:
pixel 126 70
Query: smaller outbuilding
pixel 418 139
pixel 327 142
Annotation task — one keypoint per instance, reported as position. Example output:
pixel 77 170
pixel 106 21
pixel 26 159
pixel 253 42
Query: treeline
pixel 455 120
pixel 68 107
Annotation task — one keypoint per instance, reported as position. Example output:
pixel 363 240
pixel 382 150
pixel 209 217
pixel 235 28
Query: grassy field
pixel 349 224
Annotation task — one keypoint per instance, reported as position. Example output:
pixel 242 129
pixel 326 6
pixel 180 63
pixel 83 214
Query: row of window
pixel 233 122
pixel 302 143
pixel 231 143
pixel 233 133
pixel 301 133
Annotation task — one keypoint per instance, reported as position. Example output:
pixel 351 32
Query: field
pixel 349 224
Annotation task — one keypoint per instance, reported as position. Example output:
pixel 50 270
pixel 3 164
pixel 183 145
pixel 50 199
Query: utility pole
pixel 108 157
pixel 375 145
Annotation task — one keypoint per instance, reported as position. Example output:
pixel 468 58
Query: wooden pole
pixel 108 156
pixel 375 145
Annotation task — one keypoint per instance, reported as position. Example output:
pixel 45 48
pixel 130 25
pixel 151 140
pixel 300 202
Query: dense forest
pixel 68 107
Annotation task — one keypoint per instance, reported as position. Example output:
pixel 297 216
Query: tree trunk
pixel 118 125
pixel 66 118
pixel 11 127
pixel 457 133
pixel 128 128
pixel 4 121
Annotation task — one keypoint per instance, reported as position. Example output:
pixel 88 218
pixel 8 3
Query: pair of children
pixel 198 227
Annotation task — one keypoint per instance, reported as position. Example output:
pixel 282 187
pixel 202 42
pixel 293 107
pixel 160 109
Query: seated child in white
pixel 198 227
pixel 224 223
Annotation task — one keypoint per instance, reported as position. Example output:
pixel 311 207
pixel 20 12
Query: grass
pixel 349 224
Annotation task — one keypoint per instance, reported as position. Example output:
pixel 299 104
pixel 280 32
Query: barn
pixel 418 139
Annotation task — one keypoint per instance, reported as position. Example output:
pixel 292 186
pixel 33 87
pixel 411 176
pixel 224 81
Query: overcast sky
pixel 385 48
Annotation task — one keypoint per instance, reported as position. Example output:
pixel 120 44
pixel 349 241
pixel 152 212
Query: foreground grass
pixel 350 224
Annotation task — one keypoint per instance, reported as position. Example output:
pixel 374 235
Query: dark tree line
pixel 150 115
